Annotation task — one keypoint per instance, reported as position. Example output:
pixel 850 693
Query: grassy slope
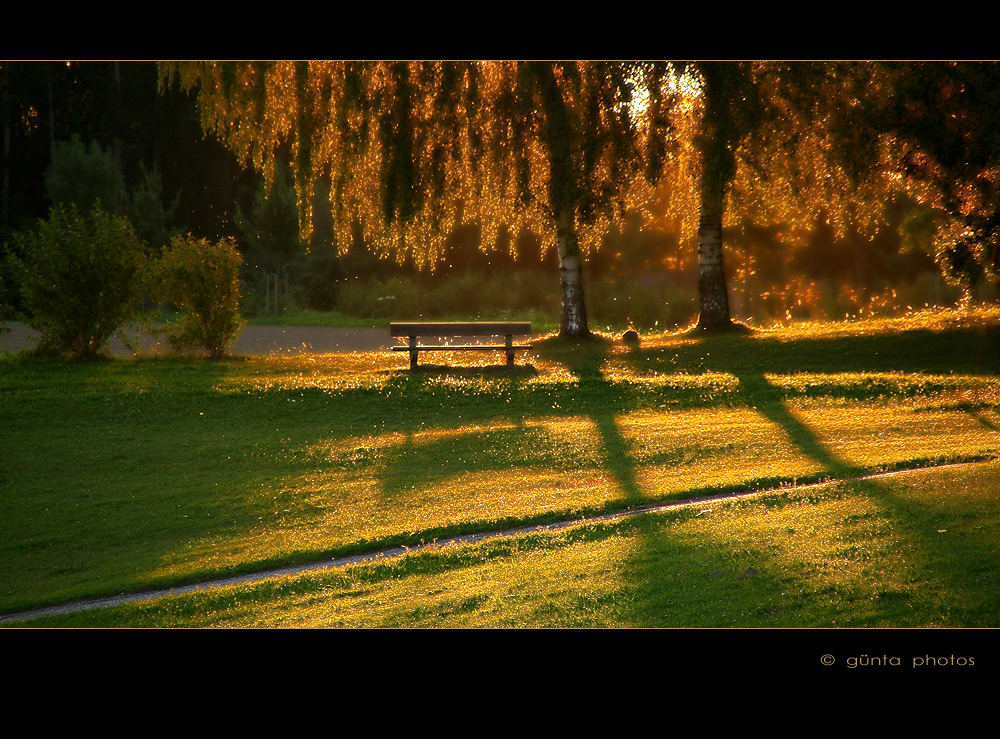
pixel 128 475
pixel 916 550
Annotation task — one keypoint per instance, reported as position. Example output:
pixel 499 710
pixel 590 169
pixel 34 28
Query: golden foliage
pixel 789 169
pixel 469 139
pixel 331 119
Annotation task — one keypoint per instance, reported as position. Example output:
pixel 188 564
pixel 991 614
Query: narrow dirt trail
pixel 392 553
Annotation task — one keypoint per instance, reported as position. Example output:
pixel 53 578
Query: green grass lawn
pixel 128 475
pixel 862 554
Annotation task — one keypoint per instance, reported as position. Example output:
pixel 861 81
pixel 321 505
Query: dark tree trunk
pixel 5 106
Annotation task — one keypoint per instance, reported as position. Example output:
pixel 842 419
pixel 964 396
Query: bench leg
pixel 413 352
pixel 510 351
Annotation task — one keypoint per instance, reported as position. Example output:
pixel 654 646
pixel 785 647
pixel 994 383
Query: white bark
pixel 712 292
pixel 574 312
pixel 573 319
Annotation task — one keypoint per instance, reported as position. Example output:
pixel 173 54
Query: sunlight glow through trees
pixel 410 150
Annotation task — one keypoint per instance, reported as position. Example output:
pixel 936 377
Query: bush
pixel 202 278
pixel 80 278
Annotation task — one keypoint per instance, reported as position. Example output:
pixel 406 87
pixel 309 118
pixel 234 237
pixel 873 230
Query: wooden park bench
pixel 507 329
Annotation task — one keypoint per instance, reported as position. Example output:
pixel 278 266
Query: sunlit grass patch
pixel 884 434
pixel 863 385
pixel 325 372
pixel 924 319
pixel 707 385
pixel 928 341
pixel 440 479
pixel 377 486
pixel 135 474
pixel 677 451
pixel 918 549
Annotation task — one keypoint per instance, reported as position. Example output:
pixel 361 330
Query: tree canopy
pixel 411 149
pixel 765 142
pixel 941 122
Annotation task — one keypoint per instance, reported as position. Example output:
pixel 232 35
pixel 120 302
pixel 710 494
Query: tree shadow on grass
pixel 969 350
pixel 515 429
pixel 117 468
pixel 912 524
pixel 508 437
pixel 618 460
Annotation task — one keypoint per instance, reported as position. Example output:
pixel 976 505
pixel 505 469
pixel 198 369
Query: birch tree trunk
pixel 573 317
pixel 716 144
pixel 712 293
pixel 562 198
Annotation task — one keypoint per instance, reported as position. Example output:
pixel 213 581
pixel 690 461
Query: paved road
pixel 253 340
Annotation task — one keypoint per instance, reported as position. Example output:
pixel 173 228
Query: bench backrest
pixel 459 328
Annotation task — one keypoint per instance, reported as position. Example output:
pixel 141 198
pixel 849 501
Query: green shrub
pixel 202 279
pixel 80 278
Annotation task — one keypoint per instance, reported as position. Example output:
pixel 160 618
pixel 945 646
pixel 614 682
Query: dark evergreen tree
pixel 84 175
pixel 270 227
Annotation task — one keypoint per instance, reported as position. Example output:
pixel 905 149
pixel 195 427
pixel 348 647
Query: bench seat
pixel 449 329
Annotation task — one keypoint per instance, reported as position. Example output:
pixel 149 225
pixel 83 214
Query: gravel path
pixel 395 552
pixel 384 554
